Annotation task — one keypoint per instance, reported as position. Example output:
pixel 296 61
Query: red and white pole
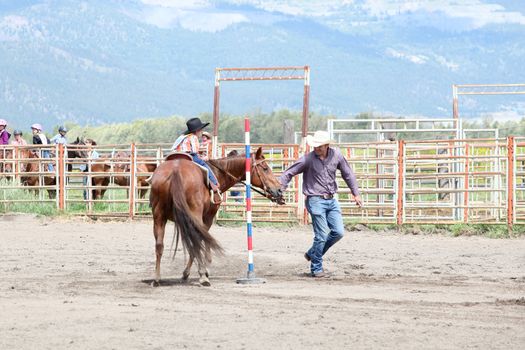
pixel 250 278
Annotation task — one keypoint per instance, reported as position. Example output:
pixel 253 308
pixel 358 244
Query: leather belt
pixel 324 196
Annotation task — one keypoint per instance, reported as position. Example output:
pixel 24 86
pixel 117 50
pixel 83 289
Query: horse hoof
pixel 155 283
pixel 185 276
pixel 205 283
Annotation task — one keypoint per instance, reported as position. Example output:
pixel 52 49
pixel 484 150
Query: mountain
pixel 94 62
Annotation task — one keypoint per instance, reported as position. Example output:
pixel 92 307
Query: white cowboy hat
pixel 319 138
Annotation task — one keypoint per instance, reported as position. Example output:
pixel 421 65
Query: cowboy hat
pixel 195 124
pixel 319 138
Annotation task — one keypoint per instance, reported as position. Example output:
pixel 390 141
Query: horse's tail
pixel 195 236
pixel 175 239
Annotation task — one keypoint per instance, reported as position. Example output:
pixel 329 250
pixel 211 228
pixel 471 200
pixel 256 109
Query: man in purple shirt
pixel 319 186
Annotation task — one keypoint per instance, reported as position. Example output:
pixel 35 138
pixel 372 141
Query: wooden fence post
pixel 400 181
pixel 510 182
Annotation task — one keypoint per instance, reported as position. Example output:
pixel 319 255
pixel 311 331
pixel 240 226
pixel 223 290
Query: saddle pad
pixel 183 155
pixel 178 155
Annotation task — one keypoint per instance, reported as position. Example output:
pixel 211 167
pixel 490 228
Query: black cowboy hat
pixel 195 124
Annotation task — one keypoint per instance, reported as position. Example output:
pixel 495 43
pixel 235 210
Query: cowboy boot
pixel 215 195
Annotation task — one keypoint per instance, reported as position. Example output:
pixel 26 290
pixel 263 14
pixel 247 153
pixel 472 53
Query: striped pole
pixel 250 278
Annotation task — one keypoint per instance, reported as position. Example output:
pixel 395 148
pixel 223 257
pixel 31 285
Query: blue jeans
pixel 46 154
pixel 199 161
pixel 327 222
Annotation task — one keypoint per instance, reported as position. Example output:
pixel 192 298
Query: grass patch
pixel 484 230
pixel 33 204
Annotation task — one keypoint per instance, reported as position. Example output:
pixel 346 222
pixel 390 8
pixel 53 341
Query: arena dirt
pixel 83 285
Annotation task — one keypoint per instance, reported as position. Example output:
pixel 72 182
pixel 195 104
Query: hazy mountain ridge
pixel 94 62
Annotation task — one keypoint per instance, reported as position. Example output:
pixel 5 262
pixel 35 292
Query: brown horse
pixel 120 165
pixel 33 166
pixel 141 168
pixel 178 193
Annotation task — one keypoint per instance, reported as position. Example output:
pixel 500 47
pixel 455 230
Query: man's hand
pixel 358 201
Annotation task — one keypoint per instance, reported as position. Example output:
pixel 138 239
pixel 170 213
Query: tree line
pixel 265 128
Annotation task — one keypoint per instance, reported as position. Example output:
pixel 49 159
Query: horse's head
pixel 263 177
pixel 122 161
pixel 77 151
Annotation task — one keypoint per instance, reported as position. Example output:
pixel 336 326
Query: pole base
pixel 250 279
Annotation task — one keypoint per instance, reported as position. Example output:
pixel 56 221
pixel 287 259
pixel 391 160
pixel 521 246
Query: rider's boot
pixel 216 195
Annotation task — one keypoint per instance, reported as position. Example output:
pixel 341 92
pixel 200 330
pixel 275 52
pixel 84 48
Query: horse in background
pixel 32 163
pixel 179 193
pixel 76 150
pixel 121 164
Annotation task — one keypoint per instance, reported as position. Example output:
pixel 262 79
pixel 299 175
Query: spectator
pixel 60 137
pixel 39 138
pixel 204 145
pixel 4 134
pixel 18 141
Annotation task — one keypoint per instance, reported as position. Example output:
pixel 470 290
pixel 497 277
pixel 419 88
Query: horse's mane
pixel 227 163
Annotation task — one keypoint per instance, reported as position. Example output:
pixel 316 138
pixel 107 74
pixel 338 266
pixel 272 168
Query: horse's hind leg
pixel 159 226
pixel 186 272
pixel 203 269
pixel 203 273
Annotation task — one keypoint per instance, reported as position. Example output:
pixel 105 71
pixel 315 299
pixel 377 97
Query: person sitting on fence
pixel 60 137
pixel 206 140
pixel 39 138
pixel 235 194
pixel 4 134
pixel 92 154
pixel 188 142
pixel 18 140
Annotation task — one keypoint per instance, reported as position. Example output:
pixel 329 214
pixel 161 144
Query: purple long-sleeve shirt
pixel 4 137
pixel 319 175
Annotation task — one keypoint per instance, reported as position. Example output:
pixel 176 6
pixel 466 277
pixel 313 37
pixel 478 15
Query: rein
pixel 238 179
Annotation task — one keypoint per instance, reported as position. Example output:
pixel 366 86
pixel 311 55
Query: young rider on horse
pixel 60 137
pixel 39 138
pixel 189 143
pixel 18 141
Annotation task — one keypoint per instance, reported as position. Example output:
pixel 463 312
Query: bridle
pixel 255 165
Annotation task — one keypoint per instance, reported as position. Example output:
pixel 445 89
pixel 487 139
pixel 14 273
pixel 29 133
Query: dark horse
pixel 76 149
pixel 178 193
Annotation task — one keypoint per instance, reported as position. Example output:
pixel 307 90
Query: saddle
pixel 183 155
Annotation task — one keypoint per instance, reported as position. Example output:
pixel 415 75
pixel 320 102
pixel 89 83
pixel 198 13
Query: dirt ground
pixel 81 284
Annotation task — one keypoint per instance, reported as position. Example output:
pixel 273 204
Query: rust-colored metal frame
pixel 256 74
pixel 482 89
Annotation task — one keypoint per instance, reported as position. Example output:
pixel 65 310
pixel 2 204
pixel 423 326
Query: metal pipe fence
pixel 401 182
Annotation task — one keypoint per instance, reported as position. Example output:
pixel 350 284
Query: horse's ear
pixel 258 154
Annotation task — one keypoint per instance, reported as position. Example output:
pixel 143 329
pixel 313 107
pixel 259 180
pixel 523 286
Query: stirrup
pixel 212 196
